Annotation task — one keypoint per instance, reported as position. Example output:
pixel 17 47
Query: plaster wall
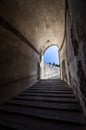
pixel 78 36
pixel 27 28
pixel 40 21
pixel 18 65
pixel 51 72
pixel 75 48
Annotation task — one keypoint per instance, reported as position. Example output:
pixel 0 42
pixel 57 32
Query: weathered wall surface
pixel 38 20
pixel 50 72
pixel 77 32
pixel 64 73
pixel 78 37
pixel 71 50
pixel 74 51
pixel 22 21
pixel 18 63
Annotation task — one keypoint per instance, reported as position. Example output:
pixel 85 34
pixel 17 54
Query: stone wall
pixel 51 72
pixel 27 28
pixel 77 33
pixel 38 20
pixel 73 51
pixel 64 63
pixel 19 62
pixel 76 10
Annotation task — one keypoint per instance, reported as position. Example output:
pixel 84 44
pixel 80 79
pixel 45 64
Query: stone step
pixel 49 89
pixel 50 85
pixel 51 105
pixel 54 99
pixel 13 121
pixel 48 101
pixel 52 81
pixel 51 92
pixel 47 94
pixel 60 115
pixel 62 84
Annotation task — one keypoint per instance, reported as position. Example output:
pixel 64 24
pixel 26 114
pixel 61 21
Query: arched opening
pixel 50 66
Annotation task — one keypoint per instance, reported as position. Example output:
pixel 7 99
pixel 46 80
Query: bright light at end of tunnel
pixel 51 55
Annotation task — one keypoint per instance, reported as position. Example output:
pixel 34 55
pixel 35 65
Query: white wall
pixel 50 71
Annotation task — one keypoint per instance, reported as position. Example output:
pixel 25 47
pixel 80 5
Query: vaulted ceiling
pixel 40 21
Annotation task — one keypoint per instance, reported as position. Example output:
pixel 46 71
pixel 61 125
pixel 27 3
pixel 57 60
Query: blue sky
pixel 51 55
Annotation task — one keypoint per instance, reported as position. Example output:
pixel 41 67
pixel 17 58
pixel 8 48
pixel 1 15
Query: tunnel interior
pixel 27 28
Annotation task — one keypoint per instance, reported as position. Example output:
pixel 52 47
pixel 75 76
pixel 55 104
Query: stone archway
pixel 50 69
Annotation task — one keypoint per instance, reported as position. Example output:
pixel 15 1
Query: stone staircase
pixel 49 104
